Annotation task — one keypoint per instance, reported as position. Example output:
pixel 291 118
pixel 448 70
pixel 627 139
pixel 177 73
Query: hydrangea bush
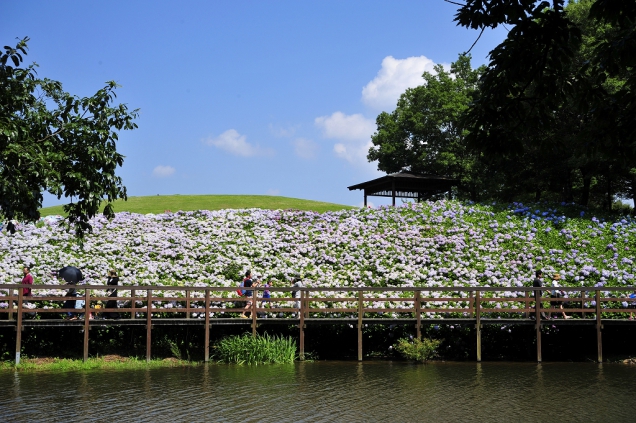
pixel 431 244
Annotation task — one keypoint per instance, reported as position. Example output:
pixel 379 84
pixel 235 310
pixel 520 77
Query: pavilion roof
pixel 406 184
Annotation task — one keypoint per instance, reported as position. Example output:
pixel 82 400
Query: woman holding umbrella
pixel 71 275
pixel 113 280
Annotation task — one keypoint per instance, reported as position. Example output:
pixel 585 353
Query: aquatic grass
pixel 101 363
pixel 260 349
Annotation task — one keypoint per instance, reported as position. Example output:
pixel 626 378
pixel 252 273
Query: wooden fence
pixel 209 306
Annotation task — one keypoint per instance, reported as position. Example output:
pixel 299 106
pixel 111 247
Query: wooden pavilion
pixel 406 185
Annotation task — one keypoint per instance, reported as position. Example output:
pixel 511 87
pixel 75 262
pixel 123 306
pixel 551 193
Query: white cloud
pixel 235 143
pixel 354 133
pixel 163 171
pixel 395 76
pixel 346 127
pixel 304 148
pixel 354 153
pixel 280 132
pixel 273 191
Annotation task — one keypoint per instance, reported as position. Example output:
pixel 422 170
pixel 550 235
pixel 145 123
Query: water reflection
pixel 327 392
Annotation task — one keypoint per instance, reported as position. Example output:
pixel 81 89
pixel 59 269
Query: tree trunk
pixel 587 182
pixel 568 196
pixel 609 193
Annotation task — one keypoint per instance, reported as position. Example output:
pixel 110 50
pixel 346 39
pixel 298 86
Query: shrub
pixel 416 349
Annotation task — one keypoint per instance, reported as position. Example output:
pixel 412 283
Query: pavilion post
pixel 365 199
pixel 393 192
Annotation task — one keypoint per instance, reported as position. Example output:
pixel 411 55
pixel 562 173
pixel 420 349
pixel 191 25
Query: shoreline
pixel 119 362
pixel 106 362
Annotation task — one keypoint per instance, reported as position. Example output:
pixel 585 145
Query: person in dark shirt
pixel 247 283
pixel 112 282
pixel 71 275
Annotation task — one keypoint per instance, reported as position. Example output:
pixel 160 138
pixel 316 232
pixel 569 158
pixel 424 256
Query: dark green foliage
pixel 233 272
pixel 550 118
pixel 557 101
pixel 54 141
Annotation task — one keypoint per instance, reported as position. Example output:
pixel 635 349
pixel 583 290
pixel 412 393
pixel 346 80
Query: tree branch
pixel 50 135
pixel 471 47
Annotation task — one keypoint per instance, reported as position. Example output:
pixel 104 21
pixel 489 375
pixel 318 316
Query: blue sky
pixel 245 97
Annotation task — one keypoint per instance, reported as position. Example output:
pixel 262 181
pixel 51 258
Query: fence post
pixel 18 328
pixel 360 297
pixel 583 296
pixel 10 304
pixel 525 304
pixel 207 323
pixel 188 305
pixel 599 341
pixel 148 323
pixel 301 324
pixel 537 317
pixel 133 301
pixel 87 307
pixel 253 316
pixel 478 323
pixel 418 314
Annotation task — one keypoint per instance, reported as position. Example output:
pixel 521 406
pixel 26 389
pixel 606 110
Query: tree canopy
pixel 552 115
pixel 561 85
pixel 57 142
pixel 424 133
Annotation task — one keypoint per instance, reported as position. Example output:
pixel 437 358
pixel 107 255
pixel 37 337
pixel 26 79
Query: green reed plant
pixel 417 349
pixel 259 349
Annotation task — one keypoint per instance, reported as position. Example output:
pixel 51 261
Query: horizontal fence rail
pixel 208 306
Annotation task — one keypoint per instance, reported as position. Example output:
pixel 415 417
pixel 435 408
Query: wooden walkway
pixel 416 307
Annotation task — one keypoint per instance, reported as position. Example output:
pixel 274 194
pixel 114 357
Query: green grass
pixel 248 349
pixel 65 364
pixel 174 203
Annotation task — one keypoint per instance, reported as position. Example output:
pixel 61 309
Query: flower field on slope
pixel 432 244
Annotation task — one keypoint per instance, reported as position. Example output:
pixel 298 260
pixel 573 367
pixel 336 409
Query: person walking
pixel 247 283
pixel 556 293
pixel 71 275
pixel 112 281
pixel 296 283
pixel 26 292
pixel 266 296
pixel 27 280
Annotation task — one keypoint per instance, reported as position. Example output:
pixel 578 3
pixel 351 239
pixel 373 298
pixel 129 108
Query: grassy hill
pixel 174 203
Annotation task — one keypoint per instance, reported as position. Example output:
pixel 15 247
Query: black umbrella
pixel 72 275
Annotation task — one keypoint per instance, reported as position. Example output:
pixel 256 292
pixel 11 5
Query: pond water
pixel 327 392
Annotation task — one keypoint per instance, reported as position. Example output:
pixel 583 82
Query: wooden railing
pixel 364 305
